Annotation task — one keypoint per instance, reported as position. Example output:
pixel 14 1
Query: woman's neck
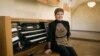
pixel 58 20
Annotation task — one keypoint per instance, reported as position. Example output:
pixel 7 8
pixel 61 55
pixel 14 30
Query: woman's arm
pixel 48 51
pixel 49 45
pixel 49 39
pixel 49 36
pixel 68 31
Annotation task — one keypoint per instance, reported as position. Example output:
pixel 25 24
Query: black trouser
pixel 64 50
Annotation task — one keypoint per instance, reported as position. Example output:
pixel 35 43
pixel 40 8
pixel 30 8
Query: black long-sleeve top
pixel 51 30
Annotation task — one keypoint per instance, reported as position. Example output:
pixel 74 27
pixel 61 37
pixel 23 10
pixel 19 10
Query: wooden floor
pixel 86 48
pixel 83 48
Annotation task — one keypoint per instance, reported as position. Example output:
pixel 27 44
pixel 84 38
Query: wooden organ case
pixel 22 37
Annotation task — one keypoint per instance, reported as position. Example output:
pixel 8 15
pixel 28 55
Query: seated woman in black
pixel 58 36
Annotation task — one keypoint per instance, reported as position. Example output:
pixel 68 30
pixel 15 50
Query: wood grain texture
pixel 5 36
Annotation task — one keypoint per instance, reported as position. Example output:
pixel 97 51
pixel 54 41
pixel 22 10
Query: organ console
pixel 25 35
pixel 22 37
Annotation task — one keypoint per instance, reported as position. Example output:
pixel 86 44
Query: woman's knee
pixel 63 51
pixel 72 51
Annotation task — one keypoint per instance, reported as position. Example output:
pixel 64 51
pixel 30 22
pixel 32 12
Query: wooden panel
pixel 43 1
pixel 55 2
pixel 5 36
pixel 50 2
pixel 66 7
pixel 28 20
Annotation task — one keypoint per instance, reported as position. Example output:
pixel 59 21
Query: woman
pixel 58 36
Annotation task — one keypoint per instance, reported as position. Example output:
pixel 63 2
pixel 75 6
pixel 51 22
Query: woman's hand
pixel 68 44
pixel 48 51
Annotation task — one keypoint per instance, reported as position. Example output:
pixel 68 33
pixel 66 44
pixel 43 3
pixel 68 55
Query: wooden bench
pixel 40 52
pixel 43 54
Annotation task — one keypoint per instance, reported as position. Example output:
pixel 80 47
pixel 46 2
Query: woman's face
pixel 59 16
